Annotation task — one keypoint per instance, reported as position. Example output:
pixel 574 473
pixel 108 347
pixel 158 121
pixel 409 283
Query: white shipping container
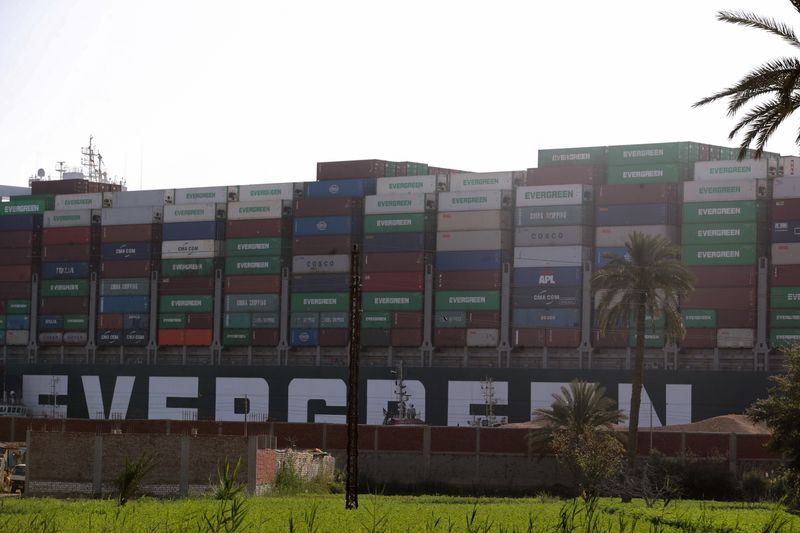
pixel 731 170
pixel 152 198
pixel 786 253
pixel 783 188
pixel 410 184
pixel 205 195
pixel 725 190
pixel 461 241
pixel 121 216
pixel 90 200
pixel 69 219
pixel 51 337
pixel 483 337
pixel 473 220
pixel 551 256
pixel 543 195
pixel 380 204
pixel 474 201
pixel 266 191
pixel 481 181
pixel 259 210
pixel 319 264
pixel 75 337
pixel 791 166
pixel 198 249
pixel 735 337
pixel 17 337
pixel 619 235
pixel 194 213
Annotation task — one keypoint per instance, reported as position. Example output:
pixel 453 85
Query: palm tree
pixel 580 406
pixel 775 84
pixel 649 280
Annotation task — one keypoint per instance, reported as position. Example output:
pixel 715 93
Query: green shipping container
pixel 785 297
pixel 391 301
pixel 699 318
pixel 784 318
pixel 252 303
pixel 335 320
pixel 591 155
pixel 304 320
pixel 257 247
pixel 76 322
pixel 734 232
pixel 181 268
pixel 320 301
pixel 655 153
pixel 171 321
pixel 652 338
pixel 236 320
pixel 783 338
pixel 27 205
pixel 18 307
pixel 719 254
pixel 243 266
pixel 652 173
pixel 375 319
pixel 467 300
pixel 2 322
pixel 66 287
pixel 398 223
pixel 186 304
pixel 266 320
pixel 235 337
pixel 713 212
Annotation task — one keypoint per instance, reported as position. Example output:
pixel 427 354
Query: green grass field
pixel 326 513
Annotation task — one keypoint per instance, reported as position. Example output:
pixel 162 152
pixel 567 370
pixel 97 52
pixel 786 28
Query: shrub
pixel 754 486
pixel 698 478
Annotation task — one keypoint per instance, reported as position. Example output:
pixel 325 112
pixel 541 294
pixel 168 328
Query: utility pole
pixel 351 482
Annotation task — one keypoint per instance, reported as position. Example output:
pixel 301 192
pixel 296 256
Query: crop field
pixel 326 513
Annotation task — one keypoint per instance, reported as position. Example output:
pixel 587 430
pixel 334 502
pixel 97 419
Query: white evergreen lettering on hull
pixel 679 404
pixel 164 388
pixel 542 394
pixel 253 391
pixel 332 391
pixel 120 398
pixel 381 391
pixel 39 392
pixel 462 394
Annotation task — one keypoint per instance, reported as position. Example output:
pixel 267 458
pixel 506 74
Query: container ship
pixel 233 302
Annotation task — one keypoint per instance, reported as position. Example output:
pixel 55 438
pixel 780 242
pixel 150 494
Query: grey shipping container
pixel 561 215
pixel 474 220
pixel 122 216
pixel 618 235
pixel 530 297
pixel 152 198
pixel 553 236
pixel 457 241
pixel 551 256
pixel 483 337
pixel 786 253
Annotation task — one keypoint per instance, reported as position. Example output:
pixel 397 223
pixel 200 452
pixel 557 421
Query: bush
pixel 754 486
pixel 698 478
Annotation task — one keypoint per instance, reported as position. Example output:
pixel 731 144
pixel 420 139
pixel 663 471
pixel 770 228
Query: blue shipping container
pixel 472 260
pixel 190 231
pixel 304 337
pixel 109 337
pixel 21 322
pixel 339 225
pixel 398 242
pixel 600 261
pixel 786 231
pixel 340 188
pixel 547 277
pixel 20 222
pixel 266 320
pixel 320 283
pixel 136 321
pixel 124 304
pixel 127 250
pixel 65 270
pixel 51 322
pixel 522 297
pixel 546 318
pixel 135 337
pixel 636 215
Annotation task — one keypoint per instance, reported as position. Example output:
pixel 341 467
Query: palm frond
pixel 766 78
pixel 752 20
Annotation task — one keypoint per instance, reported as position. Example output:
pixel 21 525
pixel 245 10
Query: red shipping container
pixel 469 281
pixel 785 276
pixel 736 318
pixel 407 319
pixel 131 233
pixel 266 337
pixel 67 252
pixel 699 338
pixel 2 306
pixel 72 186
pixel 193 285
pixel 587 175
pixel 528 337
pixel 322 245
pixel 722 298
pixel 611 339
pixel 449 337
pixel 334 337
pixel 483 319
pixel 325 207
pixel 362 168
pixel 125 269
pixel 270 227
pixel 406 337
pixel 74 235
pixel 637 193
pixel 15 256
pixel 16 239
pixel 198 337
pixel 563 338
pixel 264 284
pixel 171 337
pixel 64 305
pixel 20 273
pixel 724 276
pixel 110 321
pixel 787 209
pixel 15 290
pixel 393 281
pixel 395 262
pixel 199 320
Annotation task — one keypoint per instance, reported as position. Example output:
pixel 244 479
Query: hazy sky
pixel 181 94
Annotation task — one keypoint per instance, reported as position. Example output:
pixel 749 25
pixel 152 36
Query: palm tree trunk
pixel 636 385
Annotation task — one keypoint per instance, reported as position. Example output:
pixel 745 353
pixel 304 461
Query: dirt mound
pixel 738 424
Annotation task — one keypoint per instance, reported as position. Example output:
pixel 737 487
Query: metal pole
pixel 351 483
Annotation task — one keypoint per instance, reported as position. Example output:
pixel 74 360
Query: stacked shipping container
pixel 784 279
